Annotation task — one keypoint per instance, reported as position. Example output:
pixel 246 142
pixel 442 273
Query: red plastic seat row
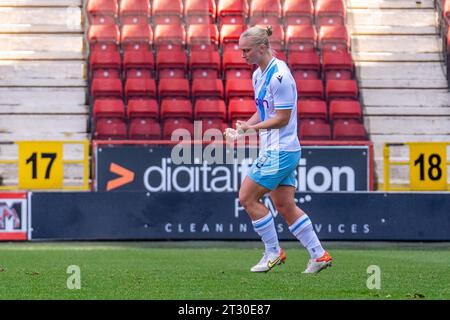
pixel 134 11
pixel 316 130
pixel 205 11
pixel 174 108
pixel 174 128
pixel 335 65
pixel 334 89
pixel 143 128
pixel 142 87
pixel 339 109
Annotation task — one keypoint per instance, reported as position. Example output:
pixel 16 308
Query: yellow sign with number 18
pixel 40 165
pixel 427 166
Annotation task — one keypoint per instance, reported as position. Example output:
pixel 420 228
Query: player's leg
pixel 301 227
pixel 249 195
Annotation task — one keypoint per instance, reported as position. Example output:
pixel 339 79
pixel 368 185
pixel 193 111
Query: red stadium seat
pixel 169 88
pixel 232 11
pixel 229 36
pixel 136 37
pixel 204 74
pixel 213 127
pixel 334 38
pixel 310 129
pixel 312 109
pixel 298 12
pixel 176 108
pixel 304 65
pixel 204 64
pixel 207 88
pixel 102 59
pixel 234 66
pixel 348 130
pixel 204 60
pixel 236 88
pixel 277 38
pixel 330 12
pixel 171 125
pixel 170 37
pixel 110 129
pixel 337 65
pixel 345 109
pixel 138 64
pixel 202 37
pixel 171 64
pixel 138 60
pixel 167 12
pixel 199 11
pixel 135 11
pixel 210 108
pixel 241 108
pixel 140 88
pixel 103 37
pixel 139 74
pixel 105 73
pixel 238 74
pixel 102 11
pixel 109 108
pixel 142 108
pixel 310 89
pixel 280 55
pixel 341 89
pixel 301 38
pixel 446 11
pixel 265 12
pixel 144 129
pixel 107 88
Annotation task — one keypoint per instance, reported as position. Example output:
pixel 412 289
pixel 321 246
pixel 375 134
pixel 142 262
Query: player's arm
pixel 280 120
pixel 254 119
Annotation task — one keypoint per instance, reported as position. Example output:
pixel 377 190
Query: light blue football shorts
pixel 275 168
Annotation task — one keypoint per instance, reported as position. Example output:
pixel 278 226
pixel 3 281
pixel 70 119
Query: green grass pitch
pixel 219 270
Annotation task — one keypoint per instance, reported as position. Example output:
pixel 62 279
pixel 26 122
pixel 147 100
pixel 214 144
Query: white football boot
pixel 319 264
pixel 268 261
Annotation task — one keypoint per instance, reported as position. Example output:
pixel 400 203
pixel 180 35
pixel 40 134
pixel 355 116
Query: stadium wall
pixel 219 216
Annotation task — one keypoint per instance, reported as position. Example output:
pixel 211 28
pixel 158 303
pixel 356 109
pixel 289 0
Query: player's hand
pixel 241 126
pixel 230 135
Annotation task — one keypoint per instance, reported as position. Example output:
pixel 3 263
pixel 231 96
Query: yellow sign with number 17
pixel 428 166
pixel 40 165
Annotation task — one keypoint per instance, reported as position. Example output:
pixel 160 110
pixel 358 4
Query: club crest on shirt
pixel 280 77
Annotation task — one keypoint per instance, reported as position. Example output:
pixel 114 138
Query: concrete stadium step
pixel 397 43
pixel 401 75
pixel 70 151
pixel 408 125
pixel 405 98
pixel 36 127
pixel 41 46
pixel 392 17
pixel 403 151
pixel 407 111
pixel 38 97
pixel 43 73
pixel 390 4
pixel 391 30
pixel 398 56
pixel 41 20
pixel 44 108
pixel 41 3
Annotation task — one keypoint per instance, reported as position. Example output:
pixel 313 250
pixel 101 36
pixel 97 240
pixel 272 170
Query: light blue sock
pixel 265 227
pixel 303 230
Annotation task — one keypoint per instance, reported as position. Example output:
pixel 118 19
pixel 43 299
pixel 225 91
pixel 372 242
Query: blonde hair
pixel 259 36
